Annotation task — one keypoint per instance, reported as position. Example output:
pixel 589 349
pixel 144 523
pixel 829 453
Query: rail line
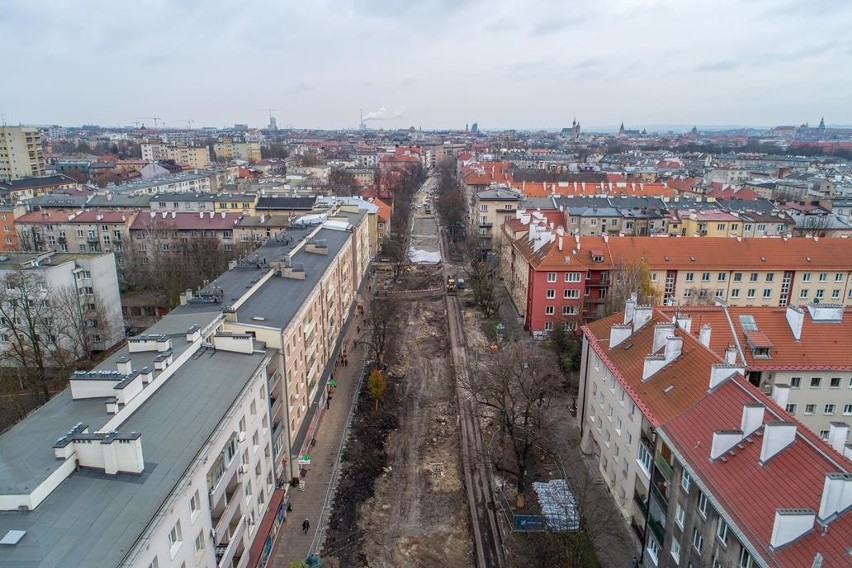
pixel 488 543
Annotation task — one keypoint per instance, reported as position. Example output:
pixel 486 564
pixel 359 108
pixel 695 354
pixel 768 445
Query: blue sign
pixel 530 523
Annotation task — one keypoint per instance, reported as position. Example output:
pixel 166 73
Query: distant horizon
pixel 650 128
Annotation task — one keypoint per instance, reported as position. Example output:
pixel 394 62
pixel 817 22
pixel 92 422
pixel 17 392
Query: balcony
pixel 486 223
pixel 227 508
pixel 663 467
pixel 92 239
pixel 224 482
pixel 229 553
pixel 658 530
pixel 659 491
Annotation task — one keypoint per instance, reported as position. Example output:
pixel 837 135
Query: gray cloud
pixel 501 62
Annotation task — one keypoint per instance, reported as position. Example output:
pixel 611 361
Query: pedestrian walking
pixel 346 362
pixel 328 402
pixel 306 526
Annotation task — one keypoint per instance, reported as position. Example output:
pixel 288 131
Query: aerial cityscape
pixel 387 284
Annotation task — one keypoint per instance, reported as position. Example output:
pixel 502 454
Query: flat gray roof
pixel 95 520
pixel 280 298
pixel 26 449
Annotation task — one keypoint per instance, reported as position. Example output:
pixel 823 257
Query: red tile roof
pixel 820 346
pixel 671 390
pixel 217 221
pixel 384 213
pixel 87 216
pixel 750 492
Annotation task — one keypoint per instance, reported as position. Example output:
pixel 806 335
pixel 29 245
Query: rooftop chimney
pixel 836 495
pixel 124 366
pixel 629 308
pixel 661 332
pixel 724 440
pixel 641 316
pixel 752 418
pixel 790 524
pixel 731 355
pixel 781 394
pixel 776 437
pixel 721 373
pixel 684 321
pixel 704 335
pixel 618 333
pixel 795 318
pixel 837 432
pixel 674 347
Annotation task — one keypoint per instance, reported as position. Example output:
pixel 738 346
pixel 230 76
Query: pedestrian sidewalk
pixel 309 501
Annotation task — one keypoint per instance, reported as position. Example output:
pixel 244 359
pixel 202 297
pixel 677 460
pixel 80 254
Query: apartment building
pixel 790 354
pixel 739 271
pixel 20 153
pixel 192 156
pixel 64 230
pixel 178 183
pixel 89 280
pixel 244 203
pixel 183 202
pixel 228 149
pixel 8 215
pixel 164 455
pixel 664 415
pixel 491 208
pixel 18 190
pixel 169 229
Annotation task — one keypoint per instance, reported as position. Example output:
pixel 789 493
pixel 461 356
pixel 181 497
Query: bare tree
pixel 34 339
pixel 814 226
pixel 626 279
pixel 383 310
pixel 516 388
pixel 483 273
pixel 82 320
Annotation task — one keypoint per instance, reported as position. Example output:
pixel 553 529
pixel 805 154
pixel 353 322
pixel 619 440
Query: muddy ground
pixel 401 501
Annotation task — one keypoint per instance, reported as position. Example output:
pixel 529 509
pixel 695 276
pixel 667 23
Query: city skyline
pixel 509 64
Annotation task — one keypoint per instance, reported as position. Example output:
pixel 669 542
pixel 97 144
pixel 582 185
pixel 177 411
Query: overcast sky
pixel 427 63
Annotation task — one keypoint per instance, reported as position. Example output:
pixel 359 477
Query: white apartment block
pixel 193 156
pixel 90 280
pixel 176 449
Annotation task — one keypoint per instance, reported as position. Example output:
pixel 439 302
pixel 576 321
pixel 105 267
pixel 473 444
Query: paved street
pixel 292 544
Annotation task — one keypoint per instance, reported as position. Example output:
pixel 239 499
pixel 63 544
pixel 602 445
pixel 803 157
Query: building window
pixel 690 276
pixel 175 539
pixel 195 506
pixel 570 294
pixel 820 294
pixel 744 559
pixel 687 293
pixel 753 277
pixel 770 276
pixel 551 294
pixel 791 408
pixel 722 532
pixel 796 382
pixel 835 294
pixel 816 382
pixel 199 544
pixel 551 277
pixel 823 434
pixel 847 409
pixel 751 293
pixel 735 293
pixel 705 277
pixel 548 326
pixel 702 504
pixel 830 409
pixel 722 276
pixel 548 310
pixel 697 540
pixel 644 460
pixel 767 292
pixel 685 480
pixel 676 550
pixel 569 310
pixel 738 276
pixel 806 277
pixel 823 276
pixel 810 409
pixel 572 277
pixel 834 383
pixel 653 550
pixel 680 516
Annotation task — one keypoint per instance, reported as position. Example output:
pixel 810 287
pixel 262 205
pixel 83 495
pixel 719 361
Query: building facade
pixel 20 153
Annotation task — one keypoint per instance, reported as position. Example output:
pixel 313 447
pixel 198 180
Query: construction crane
pixel 154 118
pixel 189 123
